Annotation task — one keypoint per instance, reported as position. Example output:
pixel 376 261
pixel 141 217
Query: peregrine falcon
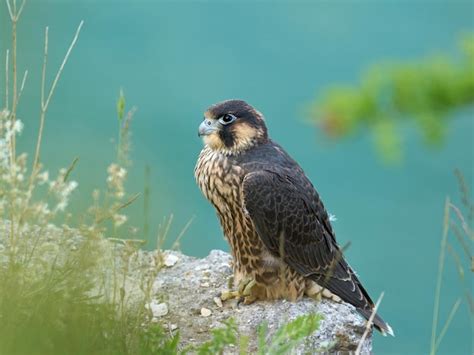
pixel 280 235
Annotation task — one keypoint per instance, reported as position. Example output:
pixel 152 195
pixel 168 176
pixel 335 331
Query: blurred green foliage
pixel 221 339
pixel 284 341
pixel 289 336
pixel 424 92
pixel 64 307
pixel 155 340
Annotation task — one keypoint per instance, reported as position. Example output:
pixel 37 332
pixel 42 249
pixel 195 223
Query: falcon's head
pixel 232 126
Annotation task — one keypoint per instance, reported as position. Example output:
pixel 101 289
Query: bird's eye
pixel 227 118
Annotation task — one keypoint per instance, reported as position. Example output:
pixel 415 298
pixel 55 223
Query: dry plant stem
pixel 127 241
pixel 333 264
pixel 335 261
pixel 368 326
pixel 460 238
pixel 7 99
pixel 7 82
pixel 23 82
pixel 70 169
pixel 180 235
pixel 45 103
pixel 464 225
pixel 146 203
pixel 161 237
pixel 114 262
pixel 14 17
pixel 44 107
pixel 448 322
pixel 440 276
pixel 465 196
pixel 118 208
pixel 457 261
pixel 14 92
pixel 470 301
pixel 45 60
pixel 9 9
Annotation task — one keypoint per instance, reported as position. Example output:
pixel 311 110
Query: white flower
pixel 61 206
pixel 4 153
pixel 43 178
pixel 18 126
pixel 4 113
pixel 61 190
pixel 119 219
pixel 116 180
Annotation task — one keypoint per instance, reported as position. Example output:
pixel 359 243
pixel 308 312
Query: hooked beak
pixel 207 127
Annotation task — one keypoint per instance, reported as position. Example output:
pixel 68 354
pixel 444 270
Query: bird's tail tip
pixel 387 330
pixel 378 322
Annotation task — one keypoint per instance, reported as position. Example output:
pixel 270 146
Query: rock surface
pixel 190 287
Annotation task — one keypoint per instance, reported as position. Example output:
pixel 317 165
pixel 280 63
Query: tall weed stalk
pixel 457 235
pixel 67 289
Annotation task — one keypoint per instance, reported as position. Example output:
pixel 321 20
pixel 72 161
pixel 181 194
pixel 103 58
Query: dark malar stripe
pixel 227 137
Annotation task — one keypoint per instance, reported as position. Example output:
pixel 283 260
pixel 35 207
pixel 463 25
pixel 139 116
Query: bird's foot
pixel 317 293
pixel 243 294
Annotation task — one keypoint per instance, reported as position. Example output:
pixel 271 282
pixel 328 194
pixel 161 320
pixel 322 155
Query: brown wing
pixel 294 225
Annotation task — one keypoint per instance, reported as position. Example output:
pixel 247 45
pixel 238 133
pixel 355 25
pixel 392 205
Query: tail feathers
pixel 379 323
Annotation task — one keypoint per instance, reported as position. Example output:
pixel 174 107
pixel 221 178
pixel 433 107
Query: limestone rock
pixel 340 330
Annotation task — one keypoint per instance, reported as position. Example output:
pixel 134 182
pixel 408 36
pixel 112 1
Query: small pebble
pixel 205 284
pixel 158 309
pixel 218 302
pixel 205 312
pixel 170 260
pixel 170 326
pixel 324 344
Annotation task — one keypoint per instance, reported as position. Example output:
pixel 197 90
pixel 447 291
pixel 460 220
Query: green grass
pixel 67 289
pixel 285 339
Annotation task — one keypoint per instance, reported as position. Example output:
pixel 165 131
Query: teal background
pixel 174 59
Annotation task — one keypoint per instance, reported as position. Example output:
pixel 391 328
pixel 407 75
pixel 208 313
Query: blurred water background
pixel 173 59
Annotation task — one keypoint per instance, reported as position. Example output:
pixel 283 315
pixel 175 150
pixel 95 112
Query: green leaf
pixel 292 334
pixel 121 106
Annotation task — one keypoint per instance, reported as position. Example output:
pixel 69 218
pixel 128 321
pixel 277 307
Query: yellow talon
pixel 230 282
pixel 247 289
pixel 317 296
pixel 243 293
pixel 227 295
pixel 249 299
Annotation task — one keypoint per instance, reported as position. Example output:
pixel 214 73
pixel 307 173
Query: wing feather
pixel 294 225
